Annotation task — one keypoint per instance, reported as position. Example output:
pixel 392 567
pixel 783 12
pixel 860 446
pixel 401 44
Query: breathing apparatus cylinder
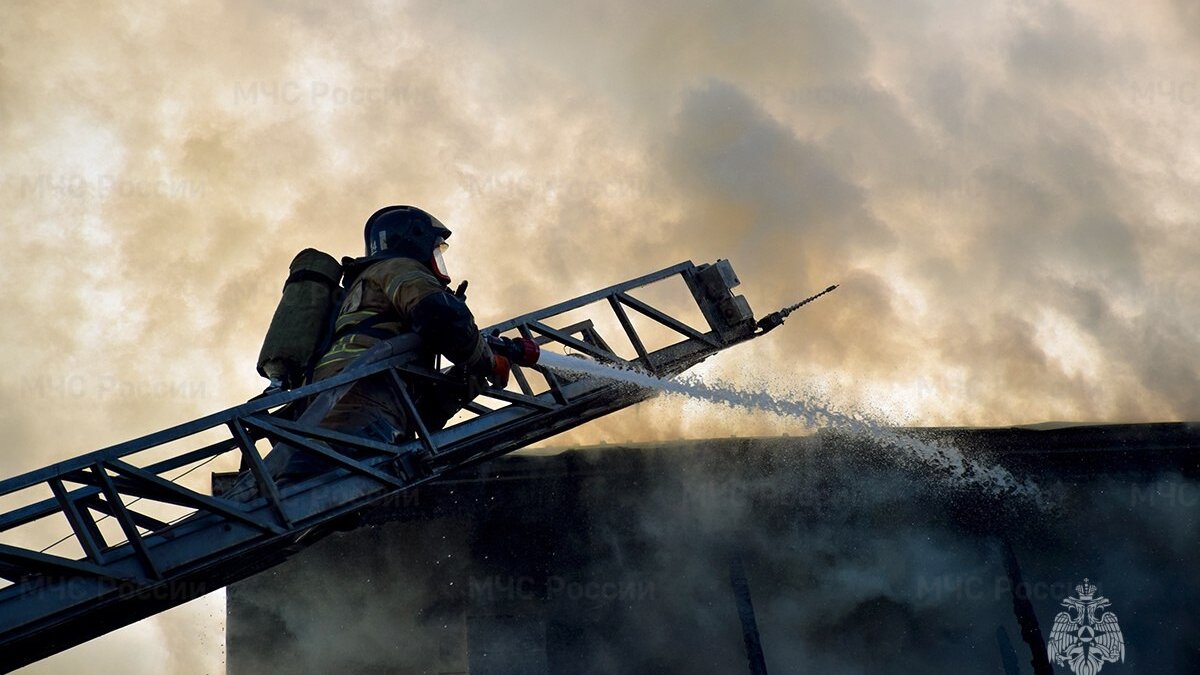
pixel 301 324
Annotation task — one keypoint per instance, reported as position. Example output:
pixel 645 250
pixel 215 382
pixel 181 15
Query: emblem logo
pixel 1083 640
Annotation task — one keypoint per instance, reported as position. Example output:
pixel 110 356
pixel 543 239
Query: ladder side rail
pixel 47 507
pixel 205 423
pixel 490 443
pixel 682 268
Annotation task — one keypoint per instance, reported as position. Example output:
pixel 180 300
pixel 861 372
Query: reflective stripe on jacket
pixel 385 294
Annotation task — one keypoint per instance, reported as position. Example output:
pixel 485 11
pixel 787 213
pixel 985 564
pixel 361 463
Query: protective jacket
pixel 391 295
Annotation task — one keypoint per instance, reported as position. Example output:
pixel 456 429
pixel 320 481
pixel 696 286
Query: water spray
pixel 946 460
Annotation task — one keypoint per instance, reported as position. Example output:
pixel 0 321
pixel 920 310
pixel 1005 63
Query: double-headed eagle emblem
pixel 1082 640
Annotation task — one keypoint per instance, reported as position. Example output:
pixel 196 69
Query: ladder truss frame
pixel 56 602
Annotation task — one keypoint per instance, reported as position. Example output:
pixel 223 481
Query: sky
pixel 1001 189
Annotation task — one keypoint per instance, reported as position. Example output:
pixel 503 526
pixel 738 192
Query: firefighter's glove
pixel 500 369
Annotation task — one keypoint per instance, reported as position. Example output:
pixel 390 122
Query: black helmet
pixel 410 232
pixel 403 229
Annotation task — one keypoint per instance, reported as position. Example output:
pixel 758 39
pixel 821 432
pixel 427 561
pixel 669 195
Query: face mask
pixel 438 263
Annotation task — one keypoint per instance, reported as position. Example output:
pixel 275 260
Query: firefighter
pixel 401 285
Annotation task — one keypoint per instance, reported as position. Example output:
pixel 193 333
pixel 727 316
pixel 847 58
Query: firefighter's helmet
pixel 410 232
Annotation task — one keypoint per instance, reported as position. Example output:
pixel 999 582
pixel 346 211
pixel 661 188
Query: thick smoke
pixel 1004 191
pixel 856 568
pixel 618 560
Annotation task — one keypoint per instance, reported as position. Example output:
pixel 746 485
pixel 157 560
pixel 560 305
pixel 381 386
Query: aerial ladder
pixel 53 602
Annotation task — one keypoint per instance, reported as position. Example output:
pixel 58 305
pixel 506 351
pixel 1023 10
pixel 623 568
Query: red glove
pixel 500 369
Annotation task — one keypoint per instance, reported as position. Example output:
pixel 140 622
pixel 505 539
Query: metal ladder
pixel 55 602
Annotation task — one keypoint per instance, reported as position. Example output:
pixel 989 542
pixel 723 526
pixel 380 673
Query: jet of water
pixel 945 459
